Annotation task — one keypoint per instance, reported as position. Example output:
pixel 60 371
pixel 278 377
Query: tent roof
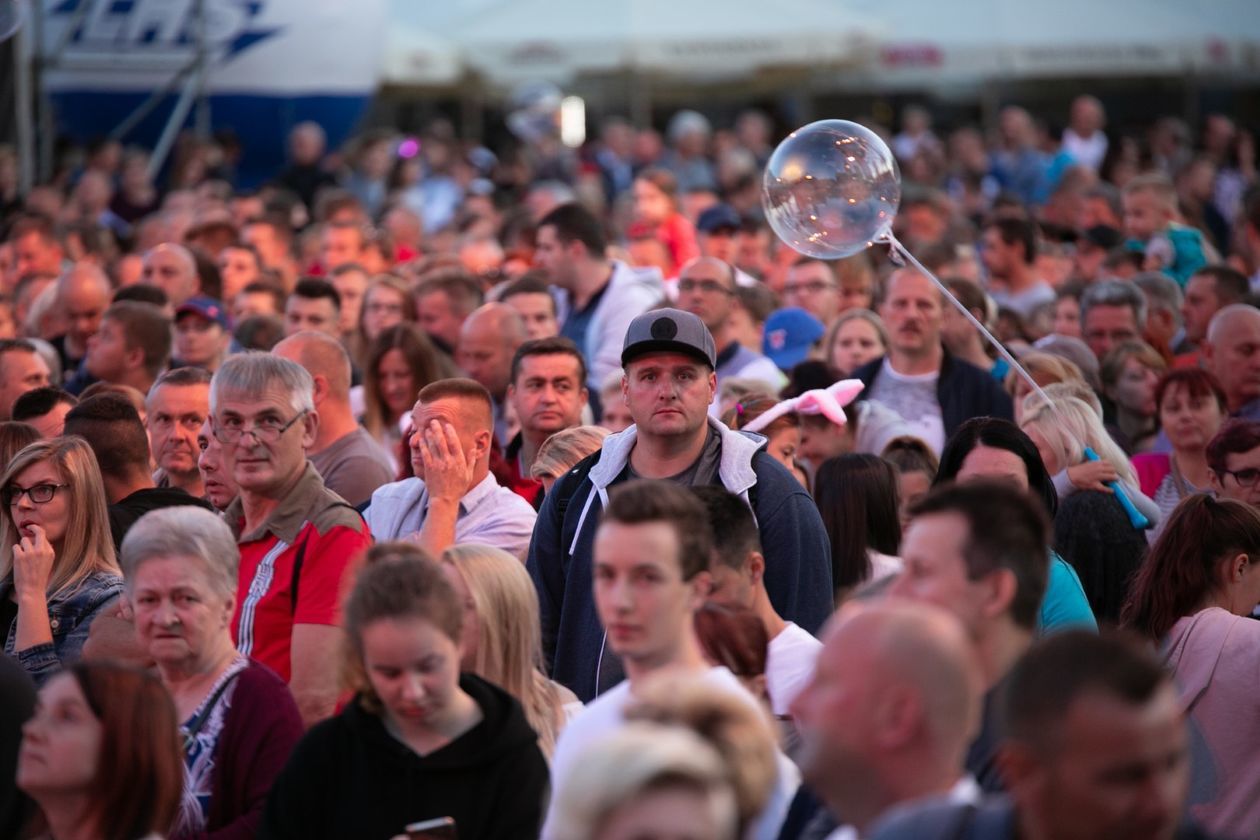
pixel 555 39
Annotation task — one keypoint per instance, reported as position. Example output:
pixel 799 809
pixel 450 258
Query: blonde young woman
pixel 1091 530
pixel 856 337
pixel 57 565
pixel 502 641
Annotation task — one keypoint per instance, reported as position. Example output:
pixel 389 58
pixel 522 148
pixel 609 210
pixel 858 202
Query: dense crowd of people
pixel 430 491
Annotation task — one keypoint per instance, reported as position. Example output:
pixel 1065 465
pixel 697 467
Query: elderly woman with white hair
pixel 238 720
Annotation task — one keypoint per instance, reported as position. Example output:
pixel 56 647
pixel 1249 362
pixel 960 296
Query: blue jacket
pixel 798 556
pixel 70 615
pixel 963 391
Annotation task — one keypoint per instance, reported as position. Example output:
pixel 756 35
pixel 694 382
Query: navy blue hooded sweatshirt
pixel 793 540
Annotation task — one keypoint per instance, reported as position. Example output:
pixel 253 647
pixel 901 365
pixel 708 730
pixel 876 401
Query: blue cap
pixel 789 336
pixel 718 217
pixel 206 307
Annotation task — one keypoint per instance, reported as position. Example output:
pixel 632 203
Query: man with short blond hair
pixel 454 497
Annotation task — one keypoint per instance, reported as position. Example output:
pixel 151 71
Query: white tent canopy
pixel 881 43
pixel 940 43
pixel 556 40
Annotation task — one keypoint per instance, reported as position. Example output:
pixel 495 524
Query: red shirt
pixel 319 526
pixel 529 489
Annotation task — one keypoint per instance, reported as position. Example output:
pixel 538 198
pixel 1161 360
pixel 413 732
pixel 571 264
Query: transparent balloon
pixel 831 189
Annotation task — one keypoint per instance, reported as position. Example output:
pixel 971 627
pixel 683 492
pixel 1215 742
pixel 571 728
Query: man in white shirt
pixel 1084 139
pixel 889 713
pixel 1009 253
pixel 738 570
pixel 651 575
pixel 454 498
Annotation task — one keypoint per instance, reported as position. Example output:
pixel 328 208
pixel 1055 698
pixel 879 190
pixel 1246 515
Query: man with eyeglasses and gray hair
pixel 298 539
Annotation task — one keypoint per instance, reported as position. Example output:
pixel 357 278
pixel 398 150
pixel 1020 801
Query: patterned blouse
pixel 200 734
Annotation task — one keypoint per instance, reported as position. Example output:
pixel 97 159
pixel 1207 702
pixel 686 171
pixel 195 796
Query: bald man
pixel 172 269
pixel 1232 352
pixel 454 497
pixel 488 339
pixel 352 464
pixel 83 295
pixel 894 702
pixel 707 289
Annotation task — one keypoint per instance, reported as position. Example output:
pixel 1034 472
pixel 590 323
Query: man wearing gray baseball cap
pixel 668 382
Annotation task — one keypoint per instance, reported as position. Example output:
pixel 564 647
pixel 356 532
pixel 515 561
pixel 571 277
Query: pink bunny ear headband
pixel 829 403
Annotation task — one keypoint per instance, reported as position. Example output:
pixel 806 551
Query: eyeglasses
pixel 266 430
pixel 709 287
pixel 40 494
pixel 1245 478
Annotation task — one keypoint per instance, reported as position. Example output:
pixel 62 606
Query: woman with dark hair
pixel 1234 458
pixel 402 360
pixel 101 756
pixel 1193 596
pixel 420 741
pixel 916 465
pixel 856 496
pixel 991 448
pixel 735 638
pixel 1190 406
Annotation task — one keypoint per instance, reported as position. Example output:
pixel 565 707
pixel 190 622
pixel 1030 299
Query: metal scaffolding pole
pixel 24 104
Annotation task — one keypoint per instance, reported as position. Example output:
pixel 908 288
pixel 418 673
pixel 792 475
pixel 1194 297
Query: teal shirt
pixel 1065 606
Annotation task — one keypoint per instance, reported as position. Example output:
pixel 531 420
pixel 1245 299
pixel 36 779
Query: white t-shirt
pixel 913 399
pixel 789 666
pixel 606 713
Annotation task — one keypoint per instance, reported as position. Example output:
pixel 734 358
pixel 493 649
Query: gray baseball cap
pixel 669 331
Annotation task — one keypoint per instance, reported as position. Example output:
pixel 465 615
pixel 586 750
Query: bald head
pixel 1229 320
pixel 706 289
pixel 895 700
pixel 83 295
pixel 322 356
pixel 1232 352
pixel 172 268
pixel 487 340
pixel 927 650
pixel 706 266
